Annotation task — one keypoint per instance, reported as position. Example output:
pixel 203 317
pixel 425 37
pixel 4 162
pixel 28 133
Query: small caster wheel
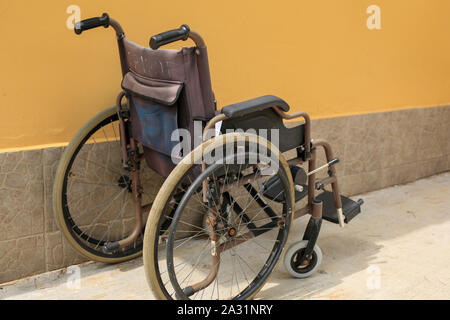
pixel 293 255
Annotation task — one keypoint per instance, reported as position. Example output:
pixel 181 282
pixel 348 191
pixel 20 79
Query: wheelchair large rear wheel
pixel 92 198
pixel 248 207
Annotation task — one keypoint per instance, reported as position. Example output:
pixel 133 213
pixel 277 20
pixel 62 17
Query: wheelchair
pixel 211 222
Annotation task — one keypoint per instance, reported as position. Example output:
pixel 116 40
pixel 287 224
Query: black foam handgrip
pixel 169 37
pixel 92 23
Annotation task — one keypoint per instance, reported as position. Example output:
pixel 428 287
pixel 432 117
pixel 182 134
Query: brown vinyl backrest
pixel 187 67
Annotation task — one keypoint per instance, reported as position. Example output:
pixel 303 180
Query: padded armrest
pixel 246 107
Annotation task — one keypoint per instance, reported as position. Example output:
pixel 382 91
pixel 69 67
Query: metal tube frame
pixel 130 156
pixel 310 147
pixel 129 145
pixel 313 208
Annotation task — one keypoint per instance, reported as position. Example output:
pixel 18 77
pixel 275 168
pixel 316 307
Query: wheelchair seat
pixel 250 106
pixel 257 114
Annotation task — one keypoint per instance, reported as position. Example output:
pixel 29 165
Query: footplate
pixel 273 190
pixel 350 208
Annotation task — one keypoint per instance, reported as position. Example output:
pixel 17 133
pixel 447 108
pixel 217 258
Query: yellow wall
pixel 317 55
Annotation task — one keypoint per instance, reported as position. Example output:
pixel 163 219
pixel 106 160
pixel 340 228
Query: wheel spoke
pixel 185 245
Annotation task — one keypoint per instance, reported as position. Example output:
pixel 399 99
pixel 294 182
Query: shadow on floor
pixel 387 215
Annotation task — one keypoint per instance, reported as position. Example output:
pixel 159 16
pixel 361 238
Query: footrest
pixel 272 188
pixel 350 208
pixel 273 191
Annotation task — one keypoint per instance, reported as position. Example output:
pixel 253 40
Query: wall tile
pixel 432 166
pixel 50 163
pixel 59 253
pixel 54 251
pixel 21 194
pixel 21 258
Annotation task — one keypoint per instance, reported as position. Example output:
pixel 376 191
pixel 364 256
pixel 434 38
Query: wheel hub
pixel 125 183
pixel 232 232
pixel 302 265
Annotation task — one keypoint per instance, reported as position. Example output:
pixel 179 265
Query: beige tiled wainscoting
pixel 376 150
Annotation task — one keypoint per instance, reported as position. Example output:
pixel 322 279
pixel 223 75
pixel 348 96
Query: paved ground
pixel 398 248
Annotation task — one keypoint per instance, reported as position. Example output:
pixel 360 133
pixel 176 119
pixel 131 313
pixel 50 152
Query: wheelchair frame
pixel 342 209
pixel 309 151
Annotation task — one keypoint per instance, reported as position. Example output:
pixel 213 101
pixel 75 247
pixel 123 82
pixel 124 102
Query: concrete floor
pixel 397 248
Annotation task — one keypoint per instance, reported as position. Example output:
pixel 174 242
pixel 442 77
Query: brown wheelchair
pixel 208 196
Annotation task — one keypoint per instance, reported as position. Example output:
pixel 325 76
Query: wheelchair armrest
pixel 246 107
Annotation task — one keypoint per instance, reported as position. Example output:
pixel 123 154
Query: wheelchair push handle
pixel 92 23
pixel 170 36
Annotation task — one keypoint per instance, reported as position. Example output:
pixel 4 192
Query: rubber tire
pixel 151 228
pixel 290 253
pixel 58 184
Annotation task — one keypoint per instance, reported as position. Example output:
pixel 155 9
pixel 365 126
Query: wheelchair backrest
pixel 167 90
